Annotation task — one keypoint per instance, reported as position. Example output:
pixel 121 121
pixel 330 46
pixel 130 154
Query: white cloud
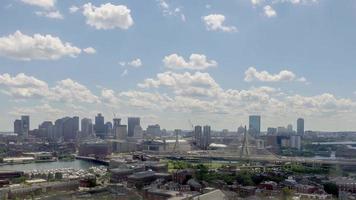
pixel 296 2
pixel 124 73
pixel 269 11
pixel 195 62
pixel 215 22
pixel 135 63
pixel 251 74
pixel 173 94
pixel 197 84
pixel 320 104
pixel 46 109
pixel 23 86
pixel 257 2
pixel 50 14
pixel 167 10
pixel 89 50
pixel 19 46
pixel 108 16
pixel 73 9
pixel 68 91
pixel 46 4
pixel 108 96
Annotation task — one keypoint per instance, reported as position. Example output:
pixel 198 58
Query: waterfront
pixel 74 164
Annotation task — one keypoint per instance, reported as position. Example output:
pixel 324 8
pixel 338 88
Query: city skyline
pixel 211 63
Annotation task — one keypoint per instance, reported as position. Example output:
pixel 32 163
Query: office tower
pixel 206 139
pixel 290 128
pixel 46 129
pixel 70 128
pixel 132 122
pixel 58 129
pixel 153 130
pixel 255 124
pixel 295 141
pixel 108 128
pixel 282 130
pixel 121 132
pixel 197 135
pixel 99 127
pixel 17 126
pixel 138 132
pixel 300 126
pixel 271 131
pixel 25 125
pixel 86 128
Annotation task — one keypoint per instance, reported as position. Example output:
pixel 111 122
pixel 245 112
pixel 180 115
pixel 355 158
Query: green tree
pixel 331 188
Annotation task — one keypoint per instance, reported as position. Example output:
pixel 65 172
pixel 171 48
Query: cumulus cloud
pixel 174 93
pixel 69 91
pixel 19 46
pixel 50 14
pixel 46 4
pixel 215 22
pixel 89 50
pixel 319 104
pixel 23 86
pixel 269 11
pixel 108 16
pixel 252 74
pixel 46 109
pixel 195 62
pixel 197 84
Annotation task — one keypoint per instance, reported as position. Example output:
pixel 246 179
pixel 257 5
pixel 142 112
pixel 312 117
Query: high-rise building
pixel 198 135
pixel 295 141
pixel 70 128
pixel 25 125
pixel 132 122
pixel 271 131
pixel 108 128
pixel 46 129
pixel 121 132
pixel 17 126
pixel 255 124
pixel 99 127
pixel 138 132
pixel 300 126
pixel 206 139
pixel 22 126
pixel 153 130
pixel 86 128
pixel 290 128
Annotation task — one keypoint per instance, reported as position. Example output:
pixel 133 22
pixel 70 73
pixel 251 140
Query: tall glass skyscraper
pixel 255 124
pixel 300 126
pixel 132 122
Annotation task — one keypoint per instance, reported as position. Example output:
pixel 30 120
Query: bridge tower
pixel 244 149
pixel 176 144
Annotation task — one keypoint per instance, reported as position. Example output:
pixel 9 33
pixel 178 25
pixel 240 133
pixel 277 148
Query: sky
pixel 174 61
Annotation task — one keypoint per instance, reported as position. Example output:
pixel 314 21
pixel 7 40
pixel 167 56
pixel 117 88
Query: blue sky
pixel 213 62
